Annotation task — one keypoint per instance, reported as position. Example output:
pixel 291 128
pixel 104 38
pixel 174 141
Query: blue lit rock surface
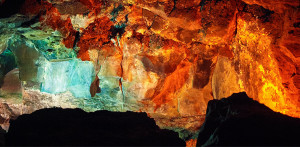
pixel 72 75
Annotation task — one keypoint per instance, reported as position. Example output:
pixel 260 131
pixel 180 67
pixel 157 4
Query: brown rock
pixel 95 87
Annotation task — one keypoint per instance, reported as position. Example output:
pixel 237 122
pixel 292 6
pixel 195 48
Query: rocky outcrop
pixel 241 121
pixel 57 126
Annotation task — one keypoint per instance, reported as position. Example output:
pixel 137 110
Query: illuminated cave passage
pixel 166 58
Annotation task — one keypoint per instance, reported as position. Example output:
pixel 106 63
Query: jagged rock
pixel 75 127
pixel 241 121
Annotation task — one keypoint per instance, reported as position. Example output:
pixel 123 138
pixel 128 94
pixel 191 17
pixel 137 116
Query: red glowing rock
pixel 94 36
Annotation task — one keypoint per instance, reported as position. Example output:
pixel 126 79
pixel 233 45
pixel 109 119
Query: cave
pixel 149 72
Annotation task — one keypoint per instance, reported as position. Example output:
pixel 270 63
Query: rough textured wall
pixel 165 57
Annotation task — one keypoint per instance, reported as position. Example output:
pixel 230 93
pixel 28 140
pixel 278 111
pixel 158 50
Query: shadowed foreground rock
pixel 57 126
pixel 2 132
pixel 239 120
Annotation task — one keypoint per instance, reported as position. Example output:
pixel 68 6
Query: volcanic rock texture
pixel 164 57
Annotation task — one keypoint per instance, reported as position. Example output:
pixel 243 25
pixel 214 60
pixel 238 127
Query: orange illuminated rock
pixel 173 83
pixel 176 50
pixel 94 36
pixel 53 19
pixel 93 5
pixel 191 143
pixel 275 5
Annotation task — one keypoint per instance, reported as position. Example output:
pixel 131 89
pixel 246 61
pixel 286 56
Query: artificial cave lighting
pixel 166 58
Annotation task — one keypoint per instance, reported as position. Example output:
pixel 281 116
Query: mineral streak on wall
pixel 165 57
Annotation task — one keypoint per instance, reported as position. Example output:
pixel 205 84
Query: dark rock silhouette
pixel 10 7
pixel 2 139
pixel 57 126
pixel 239 120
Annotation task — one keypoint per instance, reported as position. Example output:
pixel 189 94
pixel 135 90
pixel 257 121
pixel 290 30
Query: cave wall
pixel 165 57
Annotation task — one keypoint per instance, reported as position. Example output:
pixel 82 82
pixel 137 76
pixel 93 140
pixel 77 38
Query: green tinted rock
pixel 26 57
pixel 7 63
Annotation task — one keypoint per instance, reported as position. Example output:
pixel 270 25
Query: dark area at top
pixel 10 7
pixel 57 126
pixel 239 120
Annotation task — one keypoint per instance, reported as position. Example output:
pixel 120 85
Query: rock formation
pixel 75 127
pixel 167 58
pixel 241 121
